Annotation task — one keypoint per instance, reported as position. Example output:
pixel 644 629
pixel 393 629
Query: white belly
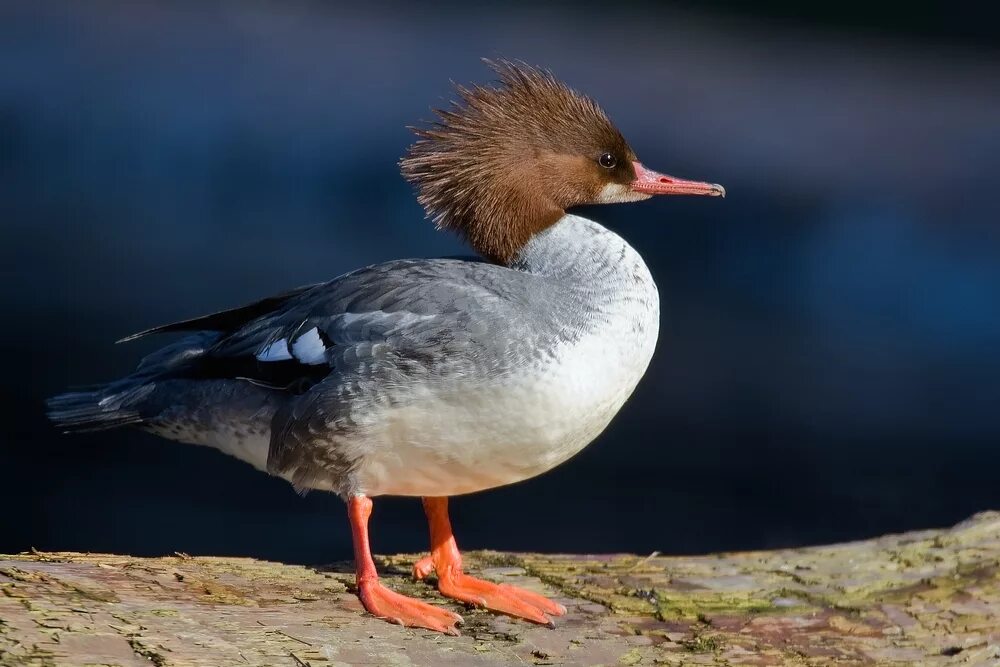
pixel 487 436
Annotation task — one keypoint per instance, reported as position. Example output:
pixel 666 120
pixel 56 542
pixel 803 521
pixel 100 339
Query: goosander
pixel 433 377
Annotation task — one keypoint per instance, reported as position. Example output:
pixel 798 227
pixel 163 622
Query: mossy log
pixel 924 598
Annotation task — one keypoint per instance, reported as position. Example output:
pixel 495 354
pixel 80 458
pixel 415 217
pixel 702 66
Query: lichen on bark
pixel 927 598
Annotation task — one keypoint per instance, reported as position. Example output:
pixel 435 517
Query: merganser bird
pixel 433 377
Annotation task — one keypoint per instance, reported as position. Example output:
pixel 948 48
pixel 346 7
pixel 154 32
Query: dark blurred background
pixel 829 358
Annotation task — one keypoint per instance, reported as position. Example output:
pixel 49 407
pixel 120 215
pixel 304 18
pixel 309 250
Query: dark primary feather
pixel 289 375
pixel 224 320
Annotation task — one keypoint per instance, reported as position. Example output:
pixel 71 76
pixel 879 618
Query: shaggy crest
pixel 503 163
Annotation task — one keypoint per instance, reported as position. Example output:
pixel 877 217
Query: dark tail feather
pixel 109 407
pixel 127 401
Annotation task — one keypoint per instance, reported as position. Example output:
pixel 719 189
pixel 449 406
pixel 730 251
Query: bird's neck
pixel 580 251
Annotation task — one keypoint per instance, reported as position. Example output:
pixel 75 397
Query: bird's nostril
pixel 664 179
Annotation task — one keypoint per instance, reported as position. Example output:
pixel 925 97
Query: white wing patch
pixel 351 329
pixel 276 351
pixel 309 348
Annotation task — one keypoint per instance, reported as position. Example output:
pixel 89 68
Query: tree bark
pixel 925 598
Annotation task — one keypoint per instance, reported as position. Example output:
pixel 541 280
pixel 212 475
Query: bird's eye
pixel 607 160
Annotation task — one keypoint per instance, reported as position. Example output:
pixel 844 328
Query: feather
pixel 224 320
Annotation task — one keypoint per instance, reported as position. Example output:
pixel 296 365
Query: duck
pixel 433 377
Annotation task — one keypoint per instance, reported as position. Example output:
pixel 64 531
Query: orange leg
pixel 452 582
pixel 379 600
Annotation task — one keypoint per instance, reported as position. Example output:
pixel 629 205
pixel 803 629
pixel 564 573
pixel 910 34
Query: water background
pixel 829 357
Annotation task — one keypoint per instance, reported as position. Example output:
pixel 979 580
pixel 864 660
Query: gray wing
pixel 360 340
pixel 408 302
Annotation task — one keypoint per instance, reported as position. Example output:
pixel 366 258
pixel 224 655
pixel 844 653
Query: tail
pixel 113 405
pixel 125 402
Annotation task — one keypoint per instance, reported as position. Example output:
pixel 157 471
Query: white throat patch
pixel 616 193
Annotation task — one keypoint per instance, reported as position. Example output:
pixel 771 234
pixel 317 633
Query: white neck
pixel 605 288
pixel 593 261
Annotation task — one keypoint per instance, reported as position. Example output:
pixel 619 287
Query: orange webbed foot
pixel 391 606
pixel 503 598
pixel 446 560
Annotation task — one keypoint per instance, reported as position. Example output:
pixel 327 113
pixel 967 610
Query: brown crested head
pixel 504 163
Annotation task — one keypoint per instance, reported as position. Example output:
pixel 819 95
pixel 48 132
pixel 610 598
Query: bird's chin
pixel 617 193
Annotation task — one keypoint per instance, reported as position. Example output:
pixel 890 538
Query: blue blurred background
pixel 829 358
